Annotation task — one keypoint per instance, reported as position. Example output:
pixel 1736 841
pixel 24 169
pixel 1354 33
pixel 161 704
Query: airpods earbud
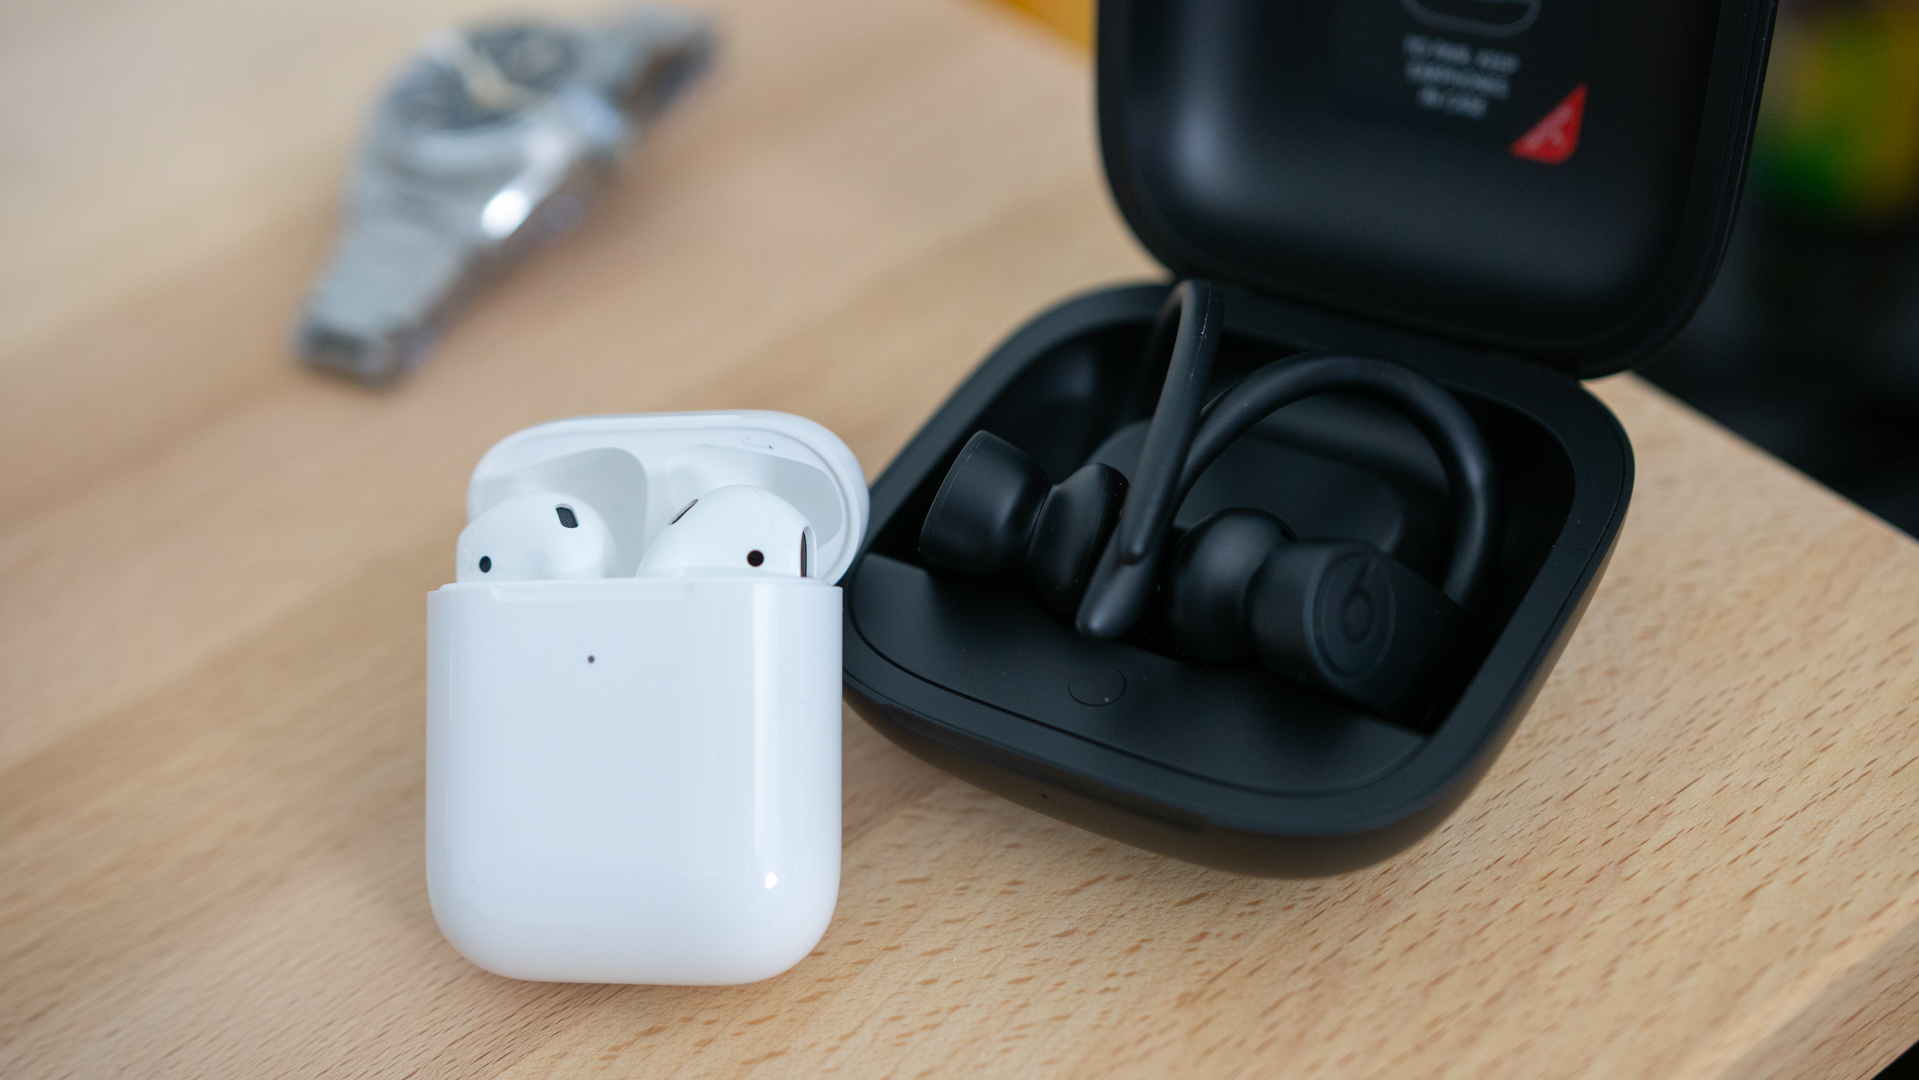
pixel 536 536
pixel 733 530
pixel 550 535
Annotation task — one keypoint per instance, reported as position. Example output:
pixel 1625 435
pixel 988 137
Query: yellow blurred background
pixel 1072 18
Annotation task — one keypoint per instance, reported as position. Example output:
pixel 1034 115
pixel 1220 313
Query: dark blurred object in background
pixel 1809 342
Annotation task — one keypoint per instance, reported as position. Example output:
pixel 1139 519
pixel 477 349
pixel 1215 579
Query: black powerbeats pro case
pixel 1505 195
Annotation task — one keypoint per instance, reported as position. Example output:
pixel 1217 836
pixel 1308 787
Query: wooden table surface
pixel 1698 858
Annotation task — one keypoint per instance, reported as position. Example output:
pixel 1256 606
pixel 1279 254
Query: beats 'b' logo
pixel 1354 616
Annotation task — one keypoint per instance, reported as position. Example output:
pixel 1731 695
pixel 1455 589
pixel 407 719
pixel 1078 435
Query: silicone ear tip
pixel 1213 570
pixel 1074 523
pixel 983 515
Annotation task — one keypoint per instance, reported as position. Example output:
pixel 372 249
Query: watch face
pixel 467 79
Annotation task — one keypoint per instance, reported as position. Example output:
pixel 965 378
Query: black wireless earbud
pixel 1339 615
pixel 1209 601
pixel 995 513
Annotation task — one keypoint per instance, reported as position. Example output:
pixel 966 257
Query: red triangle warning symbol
pixel 1554 138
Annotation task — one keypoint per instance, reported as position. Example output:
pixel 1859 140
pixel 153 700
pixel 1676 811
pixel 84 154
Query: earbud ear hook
pixel 1439 416
pixel 1150 506
pixel 1175 455
pixel 1123 577
pixel 1338 615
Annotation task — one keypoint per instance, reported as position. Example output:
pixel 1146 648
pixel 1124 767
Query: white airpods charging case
pixel 637 780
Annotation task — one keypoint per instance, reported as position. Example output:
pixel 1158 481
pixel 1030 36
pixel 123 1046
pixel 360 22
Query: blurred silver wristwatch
pixel 490 140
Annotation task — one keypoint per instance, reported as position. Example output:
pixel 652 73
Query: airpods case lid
pixel 670 459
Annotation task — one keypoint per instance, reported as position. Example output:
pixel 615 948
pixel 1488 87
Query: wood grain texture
pixel 1698 858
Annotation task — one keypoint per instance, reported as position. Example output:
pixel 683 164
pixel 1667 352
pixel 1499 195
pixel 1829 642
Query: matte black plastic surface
pixel 1328 151
pixel 1228 767
pixel 1372 176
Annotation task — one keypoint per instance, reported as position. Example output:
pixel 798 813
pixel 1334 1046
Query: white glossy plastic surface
pixel 524 539
pixel 637 780
pixel 732 530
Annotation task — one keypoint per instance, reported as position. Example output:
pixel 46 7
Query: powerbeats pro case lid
pixel 1552 179
pixel 637 779
pixel 1504 195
